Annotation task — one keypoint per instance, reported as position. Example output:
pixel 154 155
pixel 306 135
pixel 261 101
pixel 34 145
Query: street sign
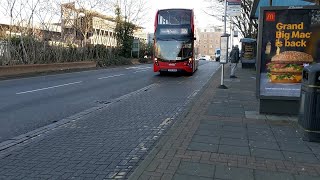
pixel 234 7
pixel 235 33
pixel 135 45
pixel 224 49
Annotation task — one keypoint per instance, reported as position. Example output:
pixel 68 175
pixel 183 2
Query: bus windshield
pixel 173 49
pixel 174 17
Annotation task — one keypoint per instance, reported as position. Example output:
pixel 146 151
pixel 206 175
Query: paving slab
pixel 305 177
pixel 196 169
pixel 262 125
pixel 206 132
pixel 232 123
pixel 189 177
pixel 294 147
pixel 239 129
pixel 267 153
pixel 234 142
pixel 225 172
pixel 238 150
pixel 196 146
pixel 206 139
pixel 261 137
pixel 235 135
pixel 211 127
pixel 273 145
pixel 300 157
pixel 211 122
pixel 264 175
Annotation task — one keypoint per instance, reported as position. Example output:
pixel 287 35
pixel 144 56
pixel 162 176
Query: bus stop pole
pixel 222 86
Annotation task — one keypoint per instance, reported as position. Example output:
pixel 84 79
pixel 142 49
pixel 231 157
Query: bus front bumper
pixel 172 67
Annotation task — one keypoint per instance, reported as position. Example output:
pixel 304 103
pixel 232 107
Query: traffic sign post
pixel 233 7
pixel 224 48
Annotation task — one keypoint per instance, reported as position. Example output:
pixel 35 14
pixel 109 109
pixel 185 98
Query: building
pixel 78 26
pixel 140 34
pixel 83 26
pixel 150 38
pixel 209 41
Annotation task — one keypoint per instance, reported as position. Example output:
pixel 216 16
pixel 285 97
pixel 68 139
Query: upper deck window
pixel 174 17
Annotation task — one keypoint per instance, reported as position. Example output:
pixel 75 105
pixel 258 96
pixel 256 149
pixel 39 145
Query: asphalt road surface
pixel 121 133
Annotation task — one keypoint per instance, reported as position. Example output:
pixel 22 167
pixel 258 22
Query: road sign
pixel 224 48
pixel 234 7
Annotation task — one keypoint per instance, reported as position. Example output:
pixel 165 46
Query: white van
pixel 217 54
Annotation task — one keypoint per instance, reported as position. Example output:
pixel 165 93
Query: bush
pixel 28 50
pixel 122 61
pixel 115 61
pixel 145 60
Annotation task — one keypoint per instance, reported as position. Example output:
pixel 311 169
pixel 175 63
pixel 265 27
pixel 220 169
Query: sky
pixel 199 7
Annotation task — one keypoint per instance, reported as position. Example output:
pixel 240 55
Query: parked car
pixel 205 58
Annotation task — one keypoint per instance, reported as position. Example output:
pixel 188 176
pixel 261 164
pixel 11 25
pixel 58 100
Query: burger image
pixel 287 66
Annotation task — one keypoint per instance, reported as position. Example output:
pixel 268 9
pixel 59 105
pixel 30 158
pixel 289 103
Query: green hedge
pixel 27 50
pixel 145 60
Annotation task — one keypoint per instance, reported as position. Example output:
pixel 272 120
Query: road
pixel 142 106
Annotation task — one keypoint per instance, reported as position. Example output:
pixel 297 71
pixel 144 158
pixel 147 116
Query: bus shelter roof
pixel 255 9
pixel 247 40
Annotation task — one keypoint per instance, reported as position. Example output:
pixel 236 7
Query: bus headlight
pixel 190 62
pixel 156 61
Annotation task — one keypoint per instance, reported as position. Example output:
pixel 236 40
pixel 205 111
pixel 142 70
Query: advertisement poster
pixel 248 51
pixel 290 40
pixel 223 49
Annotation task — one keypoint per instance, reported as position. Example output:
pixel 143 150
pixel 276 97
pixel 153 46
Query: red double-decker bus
pixel 174 41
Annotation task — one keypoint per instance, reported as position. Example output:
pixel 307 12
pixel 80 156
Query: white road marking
pixel 132 68
pixel 166 122
pixel 141 71
pixel 106 77
pixel 139 68
pixel 35 90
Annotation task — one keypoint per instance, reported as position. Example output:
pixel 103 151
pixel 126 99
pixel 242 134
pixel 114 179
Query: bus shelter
pixel 288 40
pixel 248 52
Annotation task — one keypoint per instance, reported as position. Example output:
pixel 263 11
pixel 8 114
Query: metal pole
pixel 222 86
pixel 138 48
pixel 231 34
pixel 225 17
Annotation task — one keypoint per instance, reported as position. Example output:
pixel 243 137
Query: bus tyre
pixel 189 73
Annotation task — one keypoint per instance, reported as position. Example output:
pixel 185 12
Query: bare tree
pixel 133 11
pixel 21 22
pixel 129 15
pixel 248 27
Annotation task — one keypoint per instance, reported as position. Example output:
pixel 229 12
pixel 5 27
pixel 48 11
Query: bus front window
pixel 173 50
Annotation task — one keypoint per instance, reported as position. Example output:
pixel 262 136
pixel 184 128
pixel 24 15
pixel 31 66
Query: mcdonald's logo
pixel 270 16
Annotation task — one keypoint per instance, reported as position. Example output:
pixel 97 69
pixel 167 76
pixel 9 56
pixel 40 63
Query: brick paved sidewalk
pixel 223 137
